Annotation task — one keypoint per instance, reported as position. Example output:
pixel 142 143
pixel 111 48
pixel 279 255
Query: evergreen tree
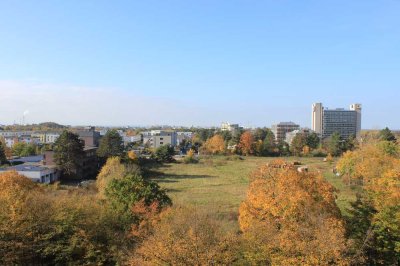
pixel 313 140
pixel 110 145
pixel 68 153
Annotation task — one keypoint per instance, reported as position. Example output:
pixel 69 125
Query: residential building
pixel 90 136
pixel 282 128
pixel 344 122
pixel 225 126
pixel 157 138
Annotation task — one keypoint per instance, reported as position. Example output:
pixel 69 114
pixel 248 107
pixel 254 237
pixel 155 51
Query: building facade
pixel 282 128
pixel 345 122
pixel 158 138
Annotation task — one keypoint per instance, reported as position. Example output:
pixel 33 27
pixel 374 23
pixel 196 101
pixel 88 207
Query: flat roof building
pixel 326 121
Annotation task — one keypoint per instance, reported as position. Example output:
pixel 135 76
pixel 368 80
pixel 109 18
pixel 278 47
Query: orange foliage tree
pixel 215 144
pixel 246 143
pixel 291 218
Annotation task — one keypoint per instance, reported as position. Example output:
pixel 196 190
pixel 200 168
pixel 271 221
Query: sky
pixel 197 63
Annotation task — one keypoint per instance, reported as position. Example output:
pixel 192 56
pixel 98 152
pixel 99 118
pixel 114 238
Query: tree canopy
pixel 68 154
pixel 110 145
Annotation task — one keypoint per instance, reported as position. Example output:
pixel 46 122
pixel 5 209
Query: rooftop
pixel 25 168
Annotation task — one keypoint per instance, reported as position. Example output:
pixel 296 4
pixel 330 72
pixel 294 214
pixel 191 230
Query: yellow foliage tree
pixel 113 169
pixel 375 167
pixel 291 218
pixel 132 156
pixel 215 144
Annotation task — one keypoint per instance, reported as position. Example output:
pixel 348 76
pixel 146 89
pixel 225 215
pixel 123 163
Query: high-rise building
pixel 326 121
pixel 282 128
pixel 317 117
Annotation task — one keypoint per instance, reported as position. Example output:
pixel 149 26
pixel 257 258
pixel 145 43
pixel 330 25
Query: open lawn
pixel 218 184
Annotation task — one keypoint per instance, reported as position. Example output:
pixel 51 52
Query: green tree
pixel 125 192
pixel 386 134
pixel 3 158
pixel 17 148
pixel 68 154
pixel 313 140
pixel 165 153
pixel 269 143
pixel 28 150
pixel 111 145
pixel 298 143
pixel 334 144
pixel 260 134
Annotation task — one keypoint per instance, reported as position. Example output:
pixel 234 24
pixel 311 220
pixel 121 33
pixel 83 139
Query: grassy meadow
pixel 218 184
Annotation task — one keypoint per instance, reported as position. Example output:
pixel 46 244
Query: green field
pixel 218 184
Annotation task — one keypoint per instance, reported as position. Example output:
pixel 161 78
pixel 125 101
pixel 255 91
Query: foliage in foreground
pixel 291 218
pixel 375 217
pixel 45 226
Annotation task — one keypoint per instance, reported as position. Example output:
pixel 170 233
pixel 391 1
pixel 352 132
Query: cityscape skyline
pixel 135 63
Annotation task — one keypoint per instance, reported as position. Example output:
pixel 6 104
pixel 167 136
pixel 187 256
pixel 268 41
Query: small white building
pixel 36 173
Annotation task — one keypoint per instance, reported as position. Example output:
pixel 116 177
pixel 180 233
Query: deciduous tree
pixel 291 218
pixel 187 237
pixel 215 144
pixel 246 144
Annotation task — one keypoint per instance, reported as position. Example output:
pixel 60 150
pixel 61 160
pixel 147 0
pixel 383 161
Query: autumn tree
pixel 246 144
pixel 215 144
pixel 291 218
pixel 132 156
pixel 187 237
pixel 110 145
pixel 68 154
pixel 112 169
pixel 375 217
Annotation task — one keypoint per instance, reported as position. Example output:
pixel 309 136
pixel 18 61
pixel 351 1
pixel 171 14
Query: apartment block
pixel 282 128
pixel 326 121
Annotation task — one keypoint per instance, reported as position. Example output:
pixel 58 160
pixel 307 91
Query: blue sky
pixel 198 62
